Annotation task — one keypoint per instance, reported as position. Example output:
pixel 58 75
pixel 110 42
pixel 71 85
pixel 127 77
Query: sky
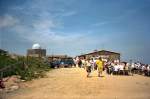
pixel 75 27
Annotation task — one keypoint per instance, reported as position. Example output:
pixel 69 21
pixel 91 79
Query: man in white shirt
pixel 121 68
pixel 148 69
pixel 116 69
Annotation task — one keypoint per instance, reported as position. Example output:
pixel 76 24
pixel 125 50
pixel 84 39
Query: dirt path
pixel 71 83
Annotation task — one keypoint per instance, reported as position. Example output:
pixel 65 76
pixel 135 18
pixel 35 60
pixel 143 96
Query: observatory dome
pixel 36 46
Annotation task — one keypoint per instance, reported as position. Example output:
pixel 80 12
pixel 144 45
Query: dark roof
pixel 59 56
pixel 109 52
pixel 100 51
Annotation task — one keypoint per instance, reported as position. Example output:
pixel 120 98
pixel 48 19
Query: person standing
pixel 95 65
pixel 126 69
pixel 80 63
pixel 148 69
pixel 100 66
pixel 92 64
pixel 121 68
pixel 130 68
pixel 116 68
pixel 88 67
pixel 83 63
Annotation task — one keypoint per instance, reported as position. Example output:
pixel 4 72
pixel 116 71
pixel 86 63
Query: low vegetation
pixel 27 68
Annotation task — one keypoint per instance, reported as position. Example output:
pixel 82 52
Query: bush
pixel 27 67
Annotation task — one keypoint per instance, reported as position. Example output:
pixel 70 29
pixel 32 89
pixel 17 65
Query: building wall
pixel 114 57
pixel 36 52
pixel 104 55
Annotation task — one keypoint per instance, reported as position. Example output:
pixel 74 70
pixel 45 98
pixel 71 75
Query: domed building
pixel 36 46
pixel 36 51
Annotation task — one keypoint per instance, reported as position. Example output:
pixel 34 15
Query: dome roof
pixel 36 46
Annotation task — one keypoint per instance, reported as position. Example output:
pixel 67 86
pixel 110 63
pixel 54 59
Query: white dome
pixel 36 46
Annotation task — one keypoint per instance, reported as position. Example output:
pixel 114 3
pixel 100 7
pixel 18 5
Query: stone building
pixel 36 51
pixel 105 55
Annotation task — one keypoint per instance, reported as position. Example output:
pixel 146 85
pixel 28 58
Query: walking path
pixel 72 83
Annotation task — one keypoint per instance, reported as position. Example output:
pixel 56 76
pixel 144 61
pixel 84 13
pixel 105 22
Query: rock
pixel 22 80
pixel 12 88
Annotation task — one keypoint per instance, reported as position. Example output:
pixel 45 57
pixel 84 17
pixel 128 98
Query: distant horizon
pixel 47 54
pixel 73 27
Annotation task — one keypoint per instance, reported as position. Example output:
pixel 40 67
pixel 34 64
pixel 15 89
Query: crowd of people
pixel 112 67
pixel 139 68
pixel 90 64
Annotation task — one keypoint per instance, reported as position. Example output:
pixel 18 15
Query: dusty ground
pixel 71 83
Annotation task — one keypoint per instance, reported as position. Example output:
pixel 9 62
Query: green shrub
pixel 27 67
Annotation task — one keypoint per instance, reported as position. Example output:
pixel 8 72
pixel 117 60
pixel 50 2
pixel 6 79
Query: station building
pixel 105 55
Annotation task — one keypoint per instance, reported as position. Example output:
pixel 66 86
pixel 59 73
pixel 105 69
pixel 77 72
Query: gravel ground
pixel 72 83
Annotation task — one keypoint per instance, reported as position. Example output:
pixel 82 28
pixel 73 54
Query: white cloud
pixel 49 39
pixel 44 24
pixel 41 32
pixel 7 21
pixel 48 8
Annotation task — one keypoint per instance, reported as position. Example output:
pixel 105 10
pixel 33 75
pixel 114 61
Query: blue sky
pixel 77 26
